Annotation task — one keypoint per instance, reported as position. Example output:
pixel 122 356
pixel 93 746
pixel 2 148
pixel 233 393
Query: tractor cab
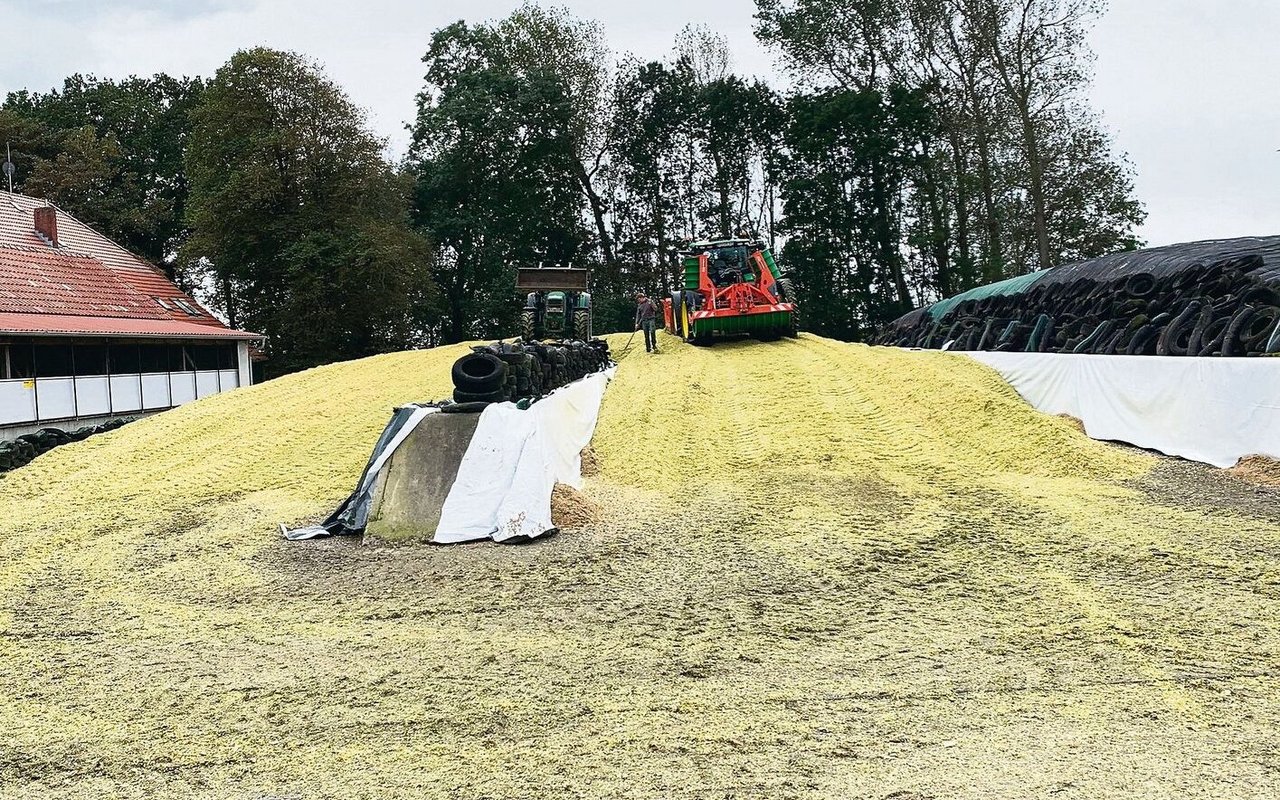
pixel 728 260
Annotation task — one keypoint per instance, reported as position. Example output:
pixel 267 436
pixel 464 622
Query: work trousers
pixel 650 334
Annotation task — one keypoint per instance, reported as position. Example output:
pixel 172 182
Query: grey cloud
pixel 1185 86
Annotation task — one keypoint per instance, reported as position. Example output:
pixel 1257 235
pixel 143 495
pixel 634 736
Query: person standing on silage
pixel 647 318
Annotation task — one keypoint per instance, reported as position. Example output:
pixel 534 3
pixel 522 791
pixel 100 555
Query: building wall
pixel 59 383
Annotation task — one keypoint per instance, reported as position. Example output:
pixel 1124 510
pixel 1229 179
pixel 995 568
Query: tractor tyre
pixel 582 323
pixel 529 325
pixel 786 290
pixel 479 373
pixel 495 396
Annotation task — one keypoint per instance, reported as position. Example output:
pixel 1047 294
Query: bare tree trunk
pixel 964 254
pixel 597 211
pixel 993 263
pixel 229 302
pixel 1035 171
pixel 939 234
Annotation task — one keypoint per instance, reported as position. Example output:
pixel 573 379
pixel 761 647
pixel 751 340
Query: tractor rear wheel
pixel 528 325
pixel 582 324
pixel 786 290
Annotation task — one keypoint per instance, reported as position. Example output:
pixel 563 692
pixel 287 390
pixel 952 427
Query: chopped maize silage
pixel 825 571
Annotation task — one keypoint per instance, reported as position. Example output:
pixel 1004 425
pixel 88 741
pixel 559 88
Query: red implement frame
pixel 737 299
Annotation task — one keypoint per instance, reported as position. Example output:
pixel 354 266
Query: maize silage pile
pixel 1218 298
pixel 822 570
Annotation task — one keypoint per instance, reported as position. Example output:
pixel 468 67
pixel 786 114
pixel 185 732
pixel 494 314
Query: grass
pixel 825 570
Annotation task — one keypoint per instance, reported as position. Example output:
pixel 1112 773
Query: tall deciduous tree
pixel 110 152
pixel 551 41
pixel 498 174
pixel 298 220
pixel 1004 78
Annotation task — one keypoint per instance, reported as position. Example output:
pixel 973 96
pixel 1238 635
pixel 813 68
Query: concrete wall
pixel 243 365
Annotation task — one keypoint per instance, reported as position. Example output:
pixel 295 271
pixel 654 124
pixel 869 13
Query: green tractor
pixel 557 305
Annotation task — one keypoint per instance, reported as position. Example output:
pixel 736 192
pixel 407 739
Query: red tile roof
pixel 87 275
pixel 46 281
pixel 71 325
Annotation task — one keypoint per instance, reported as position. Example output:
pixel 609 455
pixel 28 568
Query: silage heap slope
pixel 228 468
pixel 826 571
pixel 796 415
pixel 936 575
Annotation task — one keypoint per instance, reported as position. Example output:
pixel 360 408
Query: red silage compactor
pixel 732 287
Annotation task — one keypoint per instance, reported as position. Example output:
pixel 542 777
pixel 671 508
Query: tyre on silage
pixel 1258 331
pixel 478 372
pixel 1231 336
pixel 1171 341
pixel 494 396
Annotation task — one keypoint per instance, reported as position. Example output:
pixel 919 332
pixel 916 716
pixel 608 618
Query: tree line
pixel 923 147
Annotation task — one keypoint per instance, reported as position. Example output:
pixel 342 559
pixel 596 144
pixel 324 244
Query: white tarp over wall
pixel 514 461
pixel 1215 410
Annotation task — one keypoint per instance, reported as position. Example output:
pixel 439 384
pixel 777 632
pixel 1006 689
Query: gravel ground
pixel 824 571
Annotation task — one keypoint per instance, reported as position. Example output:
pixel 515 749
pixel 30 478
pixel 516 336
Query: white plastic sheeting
pixel 1214 410
pixel 515 459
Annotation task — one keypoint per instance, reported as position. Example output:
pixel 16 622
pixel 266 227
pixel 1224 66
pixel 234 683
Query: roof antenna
pixel 8 166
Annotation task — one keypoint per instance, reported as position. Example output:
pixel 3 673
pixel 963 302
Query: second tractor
pixel 557 306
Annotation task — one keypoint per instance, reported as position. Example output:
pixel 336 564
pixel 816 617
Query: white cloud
pixel 1188 89
pixel 1186 86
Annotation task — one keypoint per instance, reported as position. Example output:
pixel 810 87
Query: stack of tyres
pixel 479 377
pixel 514 371
pixel 20 451
pixel 1204 299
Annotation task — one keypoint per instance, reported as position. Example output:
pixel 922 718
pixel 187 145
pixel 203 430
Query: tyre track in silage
pixel 1142 600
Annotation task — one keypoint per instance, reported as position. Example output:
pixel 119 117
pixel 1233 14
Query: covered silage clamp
pixel 1215 298
pixel 453 474
pixel 1105 341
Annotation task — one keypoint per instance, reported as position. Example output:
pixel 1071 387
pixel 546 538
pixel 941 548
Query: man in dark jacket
pixel 647 318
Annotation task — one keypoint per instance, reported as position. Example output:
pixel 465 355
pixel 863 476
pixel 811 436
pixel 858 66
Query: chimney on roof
pixel 47 223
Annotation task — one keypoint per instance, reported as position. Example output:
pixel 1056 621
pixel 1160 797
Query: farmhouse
pixel 90 332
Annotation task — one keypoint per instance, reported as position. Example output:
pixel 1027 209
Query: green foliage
pixel 497 174
pixel 847 165
pixel 1004 171
pixel 298 221
pixel 109 152
pixel 693 156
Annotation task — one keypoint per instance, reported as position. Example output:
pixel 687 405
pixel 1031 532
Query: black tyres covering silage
pixel 1218 298
pixel 528 369
pixel 22 450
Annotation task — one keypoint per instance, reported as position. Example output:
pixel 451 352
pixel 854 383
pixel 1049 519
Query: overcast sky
pixel 1190 89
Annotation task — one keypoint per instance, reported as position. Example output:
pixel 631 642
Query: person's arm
pixel 638 307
